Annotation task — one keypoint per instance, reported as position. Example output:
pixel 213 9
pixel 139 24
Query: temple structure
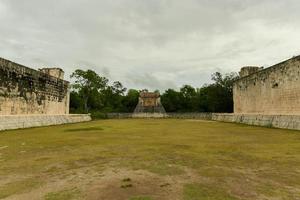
pixel 149 105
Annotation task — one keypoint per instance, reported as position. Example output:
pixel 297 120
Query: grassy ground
pixel 148 160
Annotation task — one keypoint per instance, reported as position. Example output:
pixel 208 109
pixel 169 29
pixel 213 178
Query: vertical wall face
pixel 275 90
pixel 28 91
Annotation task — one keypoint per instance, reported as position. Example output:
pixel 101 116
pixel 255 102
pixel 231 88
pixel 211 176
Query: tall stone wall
pixel 26 91
pixel 271 91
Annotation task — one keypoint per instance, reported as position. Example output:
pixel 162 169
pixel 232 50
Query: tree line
pixel 92 93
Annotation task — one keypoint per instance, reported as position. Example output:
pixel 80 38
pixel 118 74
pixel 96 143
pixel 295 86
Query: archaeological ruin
pixel 271 91
pixel 267 97
pixel 26 93
pixel 149 105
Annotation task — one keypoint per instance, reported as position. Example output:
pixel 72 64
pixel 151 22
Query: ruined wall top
pixel 252 70
pixel 146 94
pixel 56 72
pixel 248 70
pixel 51 73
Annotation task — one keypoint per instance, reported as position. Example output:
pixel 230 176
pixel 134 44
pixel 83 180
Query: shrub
pixel 98 115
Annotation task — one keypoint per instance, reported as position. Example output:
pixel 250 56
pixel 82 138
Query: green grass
pixel 71 194
pixel 17 187
pixel 203 192
pixel 236 161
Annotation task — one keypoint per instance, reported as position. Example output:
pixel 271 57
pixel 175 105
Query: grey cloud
pixel 149 81
pixel 150 43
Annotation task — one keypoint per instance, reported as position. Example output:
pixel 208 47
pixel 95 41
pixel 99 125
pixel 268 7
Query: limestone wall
pixel 28 91
pixel 204 116
pixel 8 122
pixel 271 121
pixel 271 91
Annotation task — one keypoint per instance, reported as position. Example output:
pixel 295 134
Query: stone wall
pixel 27 91
pixel 274 121
pixel 271 91
pixel 8 122
pixel 205 116
pixel 119 115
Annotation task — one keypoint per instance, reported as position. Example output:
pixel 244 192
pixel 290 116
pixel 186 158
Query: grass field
pixel 148 160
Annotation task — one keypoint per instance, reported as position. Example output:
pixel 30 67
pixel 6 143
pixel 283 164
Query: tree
pixel 171 100
pixel 130 101
pixel 188 98
pixel 113 96
pixel 225 81
pixel 218 97
pixel 75 102
pixel 92 93
pixel 88 84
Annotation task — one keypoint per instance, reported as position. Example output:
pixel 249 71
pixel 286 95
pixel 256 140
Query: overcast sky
pixel 154 44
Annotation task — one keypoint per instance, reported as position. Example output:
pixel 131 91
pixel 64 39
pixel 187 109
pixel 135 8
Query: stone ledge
pixel 275 121
pixel 9 122
pixel 272 121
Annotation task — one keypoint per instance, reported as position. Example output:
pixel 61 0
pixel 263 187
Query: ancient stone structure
pixel 275 121
pixel 271 121
pixel 31 98
pixel 8 122
pixel 26 91
pixel 149 105
pixel 271 91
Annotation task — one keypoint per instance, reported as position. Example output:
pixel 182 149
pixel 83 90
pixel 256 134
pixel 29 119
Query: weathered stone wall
pixel 8 122
pixel 204 116
pixel 271 121
pixel 27 91
pixel 119 115
pixel 271 91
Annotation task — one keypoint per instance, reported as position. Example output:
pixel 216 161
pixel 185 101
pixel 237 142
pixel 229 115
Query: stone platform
pixel 272 121
pixel 8 122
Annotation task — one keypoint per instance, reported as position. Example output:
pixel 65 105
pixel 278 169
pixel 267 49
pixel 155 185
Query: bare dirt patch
pixel 114 184
pixel 120 184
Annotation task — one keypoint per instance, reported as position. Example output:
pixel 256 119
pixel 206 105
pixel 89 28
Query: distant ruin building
pixel 271 91
pixel 26 91
pixel 149 105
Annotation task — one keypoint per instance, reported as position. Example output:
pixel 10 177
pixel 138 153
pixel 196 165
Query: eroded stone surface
pixel 271 91
pixel 27 91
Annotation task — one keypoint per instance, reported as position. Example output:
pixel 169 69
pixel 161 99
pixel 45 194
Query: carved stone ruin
pixel 25 91
pixel 149 105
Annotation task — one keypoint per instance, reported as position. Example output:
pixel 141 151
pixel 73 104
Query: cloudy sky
pixel 153 44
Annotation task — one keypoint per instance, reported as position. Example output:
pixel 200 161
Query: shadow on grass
pixel 84 129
